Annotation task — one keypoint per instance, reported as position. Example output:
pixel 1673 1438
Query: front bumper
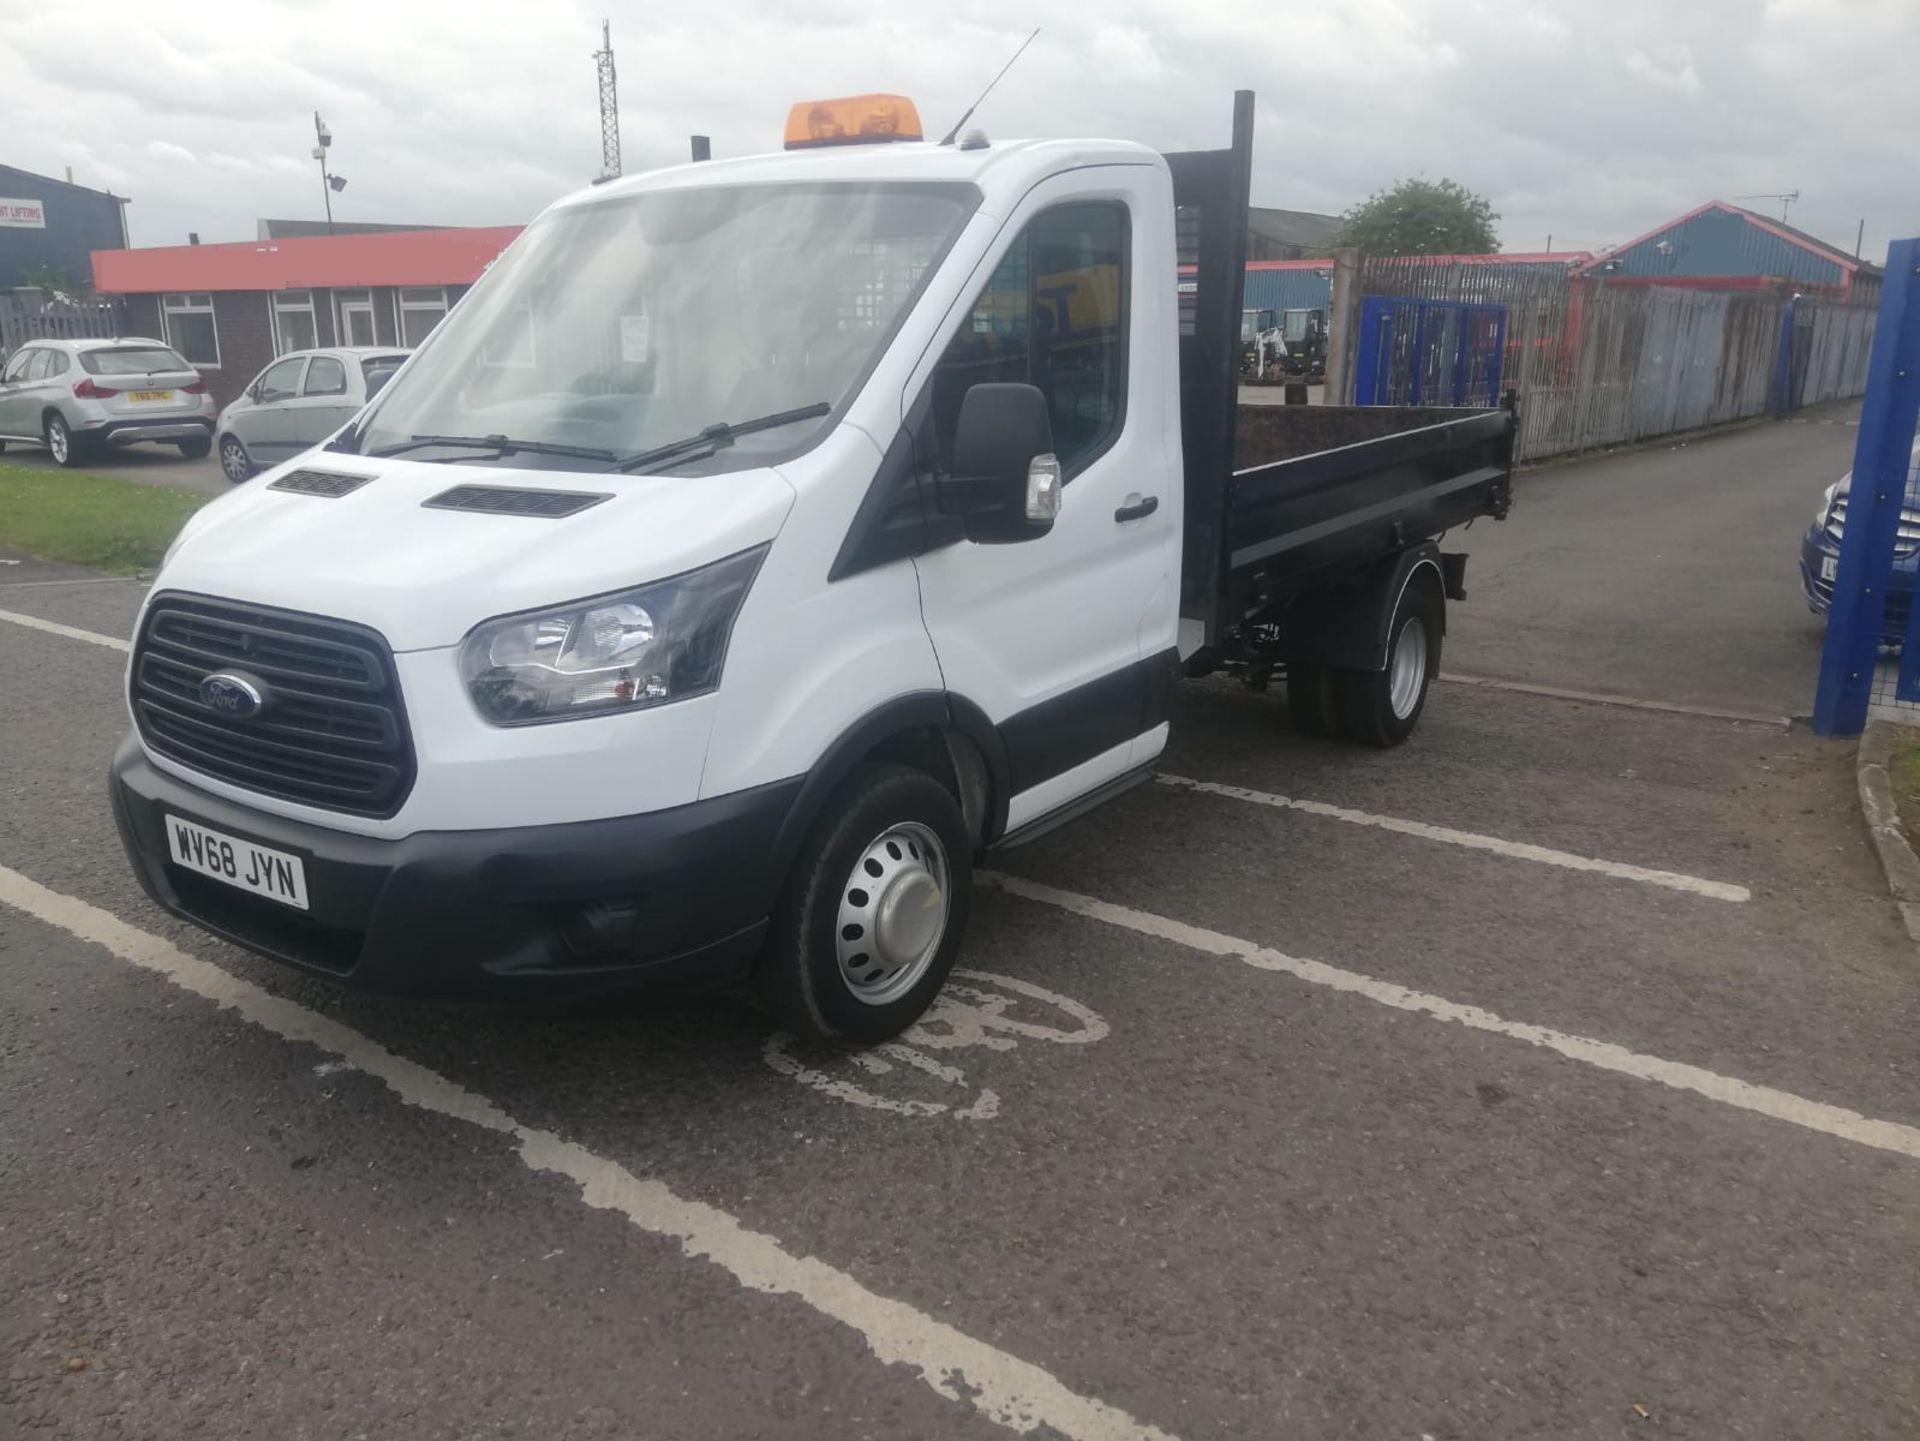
pixel 162 428
pixel 675 898
pixel 1818 548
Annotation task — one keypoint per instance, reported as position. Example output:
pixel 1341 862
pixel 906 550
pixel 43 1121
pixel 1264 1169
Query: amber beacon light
pixel 855 120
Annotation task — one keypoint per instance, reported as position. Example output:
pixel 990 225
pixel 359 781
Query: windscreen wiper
pixel 714 437
pixel 505 445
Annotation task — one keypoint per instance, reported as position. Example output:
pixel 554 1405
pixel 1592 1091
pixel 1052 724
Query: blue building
pixel 1727 247
pixel 52 227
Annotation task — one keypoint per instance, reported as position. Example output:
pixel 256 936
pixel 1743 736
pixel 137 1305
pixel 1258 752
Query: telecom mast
pixel 609 105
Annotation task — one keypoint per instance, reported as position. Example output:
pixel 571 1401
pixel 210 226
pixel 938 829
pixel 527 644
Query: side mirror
pixel 1005 484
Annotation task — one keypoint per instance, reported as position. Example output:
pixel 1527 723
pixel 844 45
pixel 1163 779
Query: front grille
pixel 1907 537
pixel 333 733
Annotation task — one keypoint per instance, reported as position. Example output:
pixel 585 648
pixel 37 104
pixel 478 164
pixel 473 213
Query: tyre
pixel 1381 708
pixel 62 444
pixel 873 911
pixel 196 449
pixel 234 459
pixel 1310 703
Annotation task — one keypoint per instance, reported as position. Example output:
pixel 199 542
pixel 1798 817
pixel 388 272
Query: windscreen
pixel 626 324
pixel 132 360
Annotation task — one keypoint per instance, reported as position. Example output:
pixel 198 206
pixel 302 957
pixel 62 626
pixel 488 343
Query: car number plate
pixel 265 872
pixel 1829 566
pixel 149 395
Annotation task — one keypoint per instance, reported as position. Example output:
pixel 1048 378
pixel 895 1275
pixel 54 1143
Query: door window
pixel 282 381
pixel 356 317
pixel 56 363
pixel 42 362
pixel 1053 316
pixel 16 370
pixel 325 376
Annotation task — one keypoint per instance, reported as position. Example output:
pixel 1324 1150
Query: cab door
pixel 1065 641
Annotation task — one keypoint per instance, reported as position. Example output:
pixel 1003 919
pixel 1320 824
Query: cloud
pixel 1591 120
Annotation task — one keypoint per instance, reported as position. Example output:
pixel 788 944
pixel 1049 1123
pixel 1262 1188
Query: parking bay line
pixel 1835 1121
pixel 53 627
pixel 1516 850
pixel 1011 1392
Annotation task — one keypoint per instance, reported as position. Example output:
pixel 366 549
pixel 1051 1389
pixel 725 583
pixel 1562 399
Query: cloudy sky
pixel 1587 120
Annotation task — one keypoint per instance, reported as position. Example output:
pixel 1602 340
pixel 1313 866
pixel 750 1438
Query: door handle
pixel 1136 508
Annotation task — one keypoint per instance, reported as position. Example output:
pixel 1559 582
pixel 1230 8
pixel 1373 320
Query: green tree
pixel 1422 217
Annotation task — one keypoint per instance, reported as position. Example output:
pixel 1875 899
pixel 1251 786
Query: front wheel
pixel 873 912
pixel 234 460
pixel 61 444
pixel 1381 707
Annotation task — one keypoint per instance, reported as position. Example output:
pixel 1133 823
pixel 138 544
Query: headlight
pixel 663 642
pixel 1826 504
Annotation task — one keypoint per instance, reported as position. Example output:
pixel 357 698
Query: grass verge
pixel 91 520
pixel 1903 771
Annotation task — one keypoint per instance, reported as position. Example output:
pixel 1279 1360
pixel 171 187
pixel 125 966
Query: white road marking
pixel 962 1016
pixel 1013 1393
pixel 1555 692
pixel 1515 850
pixel 53 627
pixel 1743 1095
pixel 71 580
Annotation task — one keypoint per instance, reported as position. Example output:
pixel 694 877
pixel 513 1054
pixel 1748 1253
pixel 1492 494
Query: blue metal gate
pixel 1429 352
pixel 1864 561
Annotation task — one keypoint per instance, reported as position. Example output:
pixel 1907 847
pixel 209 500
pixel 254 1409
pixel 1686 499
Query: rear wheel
pixel 61 443
pixel 196 449
pixel 873 912
pixel 234 460
pixel 1310 702
pixel 1381 708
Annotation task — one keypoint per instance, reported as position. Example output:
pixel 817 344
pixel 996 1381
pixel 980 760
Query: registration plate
pixel 149 395
pixel 1829 566
pixel 265 872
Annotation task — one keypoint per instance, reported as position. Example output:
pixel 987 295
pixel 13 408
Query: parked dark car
pixel 1820 553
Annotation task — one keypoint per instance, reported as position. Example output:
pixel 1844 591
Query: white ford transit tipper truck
pixel 757 544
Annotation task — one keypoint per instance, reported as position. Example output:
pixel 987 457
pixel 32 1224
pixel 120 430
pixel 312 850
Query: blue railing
pixel 1429 352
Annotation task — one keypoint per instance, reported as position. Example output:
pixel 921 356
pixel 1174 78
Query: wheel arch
pixel 936 732
pixel 1345 627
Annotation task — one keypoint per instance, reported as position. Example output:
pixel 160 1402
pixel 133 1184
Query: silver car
pixel 299 401
pixel 77 397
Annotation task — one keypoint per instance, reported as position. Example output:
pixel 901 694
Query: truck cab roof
pixel 1003 170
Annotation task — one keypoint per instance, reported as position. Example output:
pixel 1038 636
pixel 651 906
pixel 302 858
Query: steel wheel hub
pixel 1408 671
pixel 893 913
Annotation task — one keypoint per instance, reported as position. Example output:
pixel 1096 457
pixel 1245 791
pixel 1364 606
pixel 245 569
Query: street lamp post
pixel 329 184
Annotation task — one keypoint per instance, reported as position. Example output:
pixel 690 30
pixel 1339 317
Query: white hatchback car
pixel 77 397
pixel 299 401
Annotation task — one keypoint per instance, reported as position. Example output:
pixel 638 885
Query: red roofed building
pixel 231 308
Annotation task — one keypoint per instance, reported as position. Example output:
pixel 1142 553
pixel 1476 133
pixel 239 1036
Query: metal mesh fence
pixel 1601 362
pixel 1897 651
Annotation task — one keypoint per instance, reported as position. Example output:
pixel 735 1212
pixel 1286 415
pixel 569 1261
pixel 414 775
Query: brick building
pixel 231 308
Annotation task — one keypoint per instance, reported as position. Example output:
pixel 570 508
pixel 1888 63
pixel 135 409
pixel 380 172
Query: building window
pixel 294 327
pixel 356 318
pixel 188 322
pixel 421 308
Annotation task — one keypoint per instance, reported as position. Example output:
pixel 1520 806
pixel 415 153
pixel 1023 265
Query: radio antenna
pixel 989 90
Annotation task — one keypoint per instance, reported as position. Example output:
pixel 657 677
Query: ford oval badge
pixel 233 695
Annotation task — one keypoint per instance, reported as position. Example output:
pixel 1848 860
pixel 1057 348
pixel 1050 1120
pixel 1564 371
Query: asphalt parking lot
pixel 142 464
pixel 1551 1076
